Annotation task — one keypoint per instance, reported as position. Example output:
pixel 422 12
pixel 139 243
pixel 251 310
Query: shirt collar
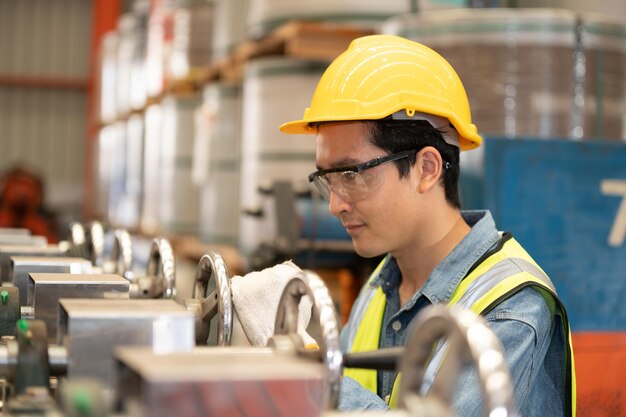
pixel 444 279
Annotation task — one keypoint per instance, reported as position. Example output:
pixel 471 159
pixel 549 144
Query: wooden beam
pixel 35 81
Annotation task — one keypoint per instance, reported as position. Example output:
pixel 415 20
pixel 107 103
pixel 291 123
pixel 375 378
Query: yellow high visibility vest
pixel 505 271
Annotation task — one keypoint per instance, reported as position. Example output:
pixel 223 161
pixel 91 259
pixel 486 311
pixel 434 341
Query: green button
pixel 82 402
pixel 4 296
pixel 22 325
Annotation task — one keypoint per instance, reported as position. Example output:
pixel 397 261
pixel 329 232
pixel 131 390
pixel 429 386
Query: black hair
pixel 403 135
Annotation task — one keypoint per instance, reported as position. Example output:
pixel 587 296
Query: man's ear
pixel 430 166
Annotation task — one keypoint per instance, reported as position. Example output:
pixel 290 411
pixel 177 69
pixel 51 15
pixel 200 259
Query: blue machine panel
pixel 565 202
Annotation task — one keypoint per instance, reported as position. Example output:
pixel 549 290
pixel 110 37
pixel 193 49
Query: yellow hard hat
pixel 385 75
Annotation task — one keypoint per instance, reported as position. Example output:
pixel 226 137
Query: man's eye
pixel 349 176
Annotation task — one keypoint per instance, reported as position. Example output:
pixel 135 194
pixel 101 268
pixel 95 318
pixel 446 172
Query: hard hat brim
pixel 467 140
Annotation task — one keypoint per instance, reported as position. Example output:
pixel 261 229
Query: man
pixel 390 117
pixel 22 204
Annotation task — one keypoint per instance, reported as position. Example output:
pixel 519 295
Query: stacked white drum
pixel 108 78
pixel 275 90
pixel 535 72
pixel 192 33
pixel 216 163
pixel 128 212
pixel 265 15
pixel 229 28
pixel 106 153
pixel 178 196
pixel 130 80
pixel 151 181
pixel 159 30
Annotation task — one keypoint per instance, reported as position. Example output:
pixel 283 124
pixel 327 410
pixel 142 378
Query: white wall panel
pixel 45 37
pixel 44 125
pixel 45 129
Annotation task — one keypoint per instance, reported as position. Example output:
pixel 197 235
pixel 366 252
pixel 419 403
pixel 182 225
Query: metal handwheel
pixel 122 254
pixel 219 302
pixel 88 243
pixel 78 239
pixel 308 283
pixel 161 264
pixel 96 243
pixel 468 340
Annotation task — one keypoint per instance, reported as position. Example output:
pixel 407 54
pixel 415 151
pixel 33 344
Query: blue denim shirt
pixel 525 323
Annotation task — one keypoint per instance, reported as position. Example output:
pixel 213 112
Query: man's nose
pixel 336 204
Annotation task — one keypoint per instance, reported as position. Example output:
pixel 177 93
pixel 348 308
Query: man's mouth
pixel 353 227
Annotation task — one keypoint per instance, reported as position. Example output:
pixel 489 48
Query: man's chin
pixel 364 251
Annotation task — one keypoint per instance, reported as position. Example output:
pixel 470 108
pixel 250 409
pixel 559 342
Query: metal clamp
pixel 219 302
pixel 308 283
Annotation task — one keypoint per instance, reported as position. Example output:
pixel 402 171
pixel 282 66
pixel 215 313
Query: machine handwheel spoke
pixel 219 303
pixel 161 263
pixel 308 283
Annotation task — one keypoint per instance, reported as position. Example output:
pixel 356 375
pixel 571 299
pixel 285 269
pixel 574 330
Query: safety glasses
pixel 354 182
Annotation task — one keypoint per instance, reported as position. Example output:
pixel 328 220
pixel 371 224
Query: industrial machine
pixel 21 266
pixel 69 318
pixel 10 236
pixel 159 373
pixel 120 355
pixel 36 295
pixel 89 329
pixel 286 379
pixel 7 251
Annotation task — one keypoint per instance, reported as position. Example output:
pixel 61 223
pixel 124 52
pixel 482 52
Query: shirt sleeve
pixel 523 324
pixel 353 397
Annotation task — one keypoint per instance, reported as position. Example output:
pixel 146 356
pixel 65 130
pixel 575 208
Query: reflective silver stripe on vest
pixel 498 273
pixel 475 291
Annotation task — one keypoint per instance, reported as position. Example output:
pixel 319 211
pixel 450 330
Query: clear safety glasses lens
pixel 354 182
pixel 350 186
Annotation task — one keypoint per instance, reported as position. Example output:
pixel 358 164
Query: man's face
pixel 383 220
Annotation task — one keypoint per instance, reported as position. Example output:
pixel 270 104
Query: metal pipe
pixel 57 358
pixel 386 359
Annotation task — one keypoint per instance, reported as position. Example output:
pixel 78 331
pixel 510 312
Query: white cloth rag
pixel 256 296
